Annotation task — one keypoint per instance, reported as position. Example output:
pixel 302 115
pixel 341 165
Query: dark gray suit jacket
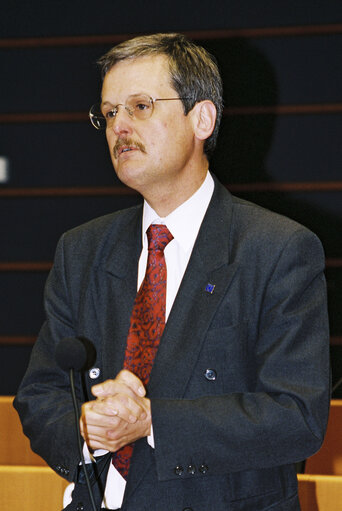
pixel 240 384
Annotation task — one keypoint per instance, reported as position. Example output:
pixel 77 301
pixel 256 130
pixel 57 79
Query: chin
pixel 132 177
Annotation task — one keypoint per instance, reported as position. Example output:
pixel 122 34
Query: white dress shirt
pixel 184 224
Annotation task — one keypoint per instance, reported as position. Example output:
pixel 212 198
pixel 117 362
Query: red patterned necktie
pixel 147 322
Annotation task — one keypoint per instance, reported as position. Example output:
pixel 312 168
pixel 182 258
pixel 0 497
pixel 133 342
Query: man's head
pixel 193 71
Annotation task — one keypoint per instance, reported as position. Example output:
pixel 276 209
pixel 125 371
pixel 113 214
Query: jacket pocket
pixel 223 363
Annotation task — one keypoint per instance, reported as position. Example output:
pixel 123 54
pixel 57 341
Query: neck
pixel 165 199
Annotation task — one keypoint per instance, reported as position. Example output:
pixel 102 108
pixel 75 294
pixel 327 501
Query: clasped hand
pixel 120 414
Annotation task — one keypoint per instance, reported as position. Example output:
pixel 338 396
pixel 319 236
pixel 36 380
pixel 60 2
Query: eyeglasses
pixel 138 106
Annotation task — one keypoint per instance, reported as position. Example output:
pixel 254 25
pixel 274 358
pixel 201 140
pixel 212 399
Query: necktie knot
pixel 158 237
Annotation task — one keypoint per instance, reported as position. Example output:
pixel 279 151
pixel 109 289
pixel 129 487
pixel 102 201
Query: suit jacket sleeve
pixel 44 400
pixel 89 293
pixel 280 415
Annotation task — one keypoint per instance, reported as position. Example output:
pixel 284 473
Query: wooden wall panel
pixel 14 445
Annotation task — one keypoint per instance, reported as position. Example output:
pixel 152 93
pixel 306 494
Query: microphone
pixel 77 354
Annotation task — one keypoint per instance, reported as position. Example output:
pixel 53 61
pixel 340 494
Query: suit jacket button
pixel 203 469
pixel 94 373
pixel 191 469
pixel 80 506
pixel 58 468
pixel 179 470
pixel 210 374
pixel 188 509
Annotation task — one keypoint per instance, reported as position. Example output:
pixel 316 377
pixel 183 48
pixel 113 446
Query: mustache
pixel 127 142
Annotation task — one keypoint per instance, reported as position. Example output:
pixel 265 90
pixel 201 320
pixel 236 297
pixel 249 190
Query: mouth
pixel 125 149
pixel 122 147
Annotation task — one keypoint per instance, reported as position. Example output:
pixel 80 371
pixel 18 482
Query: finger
pixel 109 412
pixel 112 387
pixel 106 388
pixel 95 414
pixel 114 438
pixel 102 442
pixel 132 381
pixel 107 438
pixel 122 406
pixel 124 380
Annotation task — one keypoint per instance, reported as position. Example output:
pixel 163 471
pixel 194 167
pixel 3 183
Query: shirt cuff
pixel 88 456
pixel 150 438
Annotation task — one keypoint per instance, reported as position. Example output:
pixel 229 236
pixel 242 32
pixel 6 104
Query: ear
pixel 204 117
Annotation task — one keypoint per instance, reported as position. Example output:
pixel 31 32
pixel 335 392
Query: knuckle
pixel 122 374
pixel 123 399
pixel 114 422
pixel 113 435
pixel 107 385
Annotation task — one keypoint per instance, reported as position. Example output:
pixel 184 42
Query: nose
pixel 122 123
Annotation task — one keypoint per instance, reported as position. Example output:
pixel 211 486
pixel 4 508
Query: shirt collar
pixel 185 221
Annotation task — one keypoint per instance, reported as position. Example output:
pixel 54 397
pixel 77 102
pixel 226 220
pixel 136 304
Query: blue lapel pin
pixel 210 288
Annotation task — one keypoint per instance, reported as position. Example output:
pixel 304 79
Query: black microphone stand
pixel 79 441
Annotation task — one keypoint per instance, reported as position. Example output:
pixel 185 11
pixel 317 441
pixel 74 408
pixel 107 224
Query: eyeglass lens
pixel 138 107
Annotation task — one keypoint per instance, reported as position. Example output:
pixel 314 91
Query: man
pixel 235 390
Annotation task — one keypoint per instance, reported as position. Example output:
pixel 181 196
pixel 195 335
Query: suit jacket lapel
pixel 117 292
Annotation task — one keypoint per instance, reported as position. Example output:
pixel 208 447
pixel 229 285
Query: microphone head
pixel 75 353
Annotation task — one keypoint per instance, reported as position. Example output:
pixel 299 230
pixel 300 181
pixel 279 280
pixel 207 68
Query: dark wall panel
pixel 306 147
pixel 62 17
pixel 58 79
pixel 255 148
pixel 334 278
pixel 56 154
pixel 306 68
pixel 21 297
pixel 16 359
pixel 50 79
pixel 261 70
pixel 41 221
pixel 279 70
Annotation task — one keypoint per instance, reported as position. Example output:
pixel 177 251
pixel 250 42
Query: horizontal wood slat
pixel 73 191
pixel 30 488
pixel 92 40
pixel 320 108
pixel 37 117
pixel 99 191
pixel 319 492
pixel 15 340
pixel 53 117
pixel 300 186
pixel 328 460
pixel 333 262
pixel 23 266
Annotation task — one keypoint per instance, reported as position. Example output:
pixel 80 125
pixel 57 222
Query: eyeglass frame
pixel 130 113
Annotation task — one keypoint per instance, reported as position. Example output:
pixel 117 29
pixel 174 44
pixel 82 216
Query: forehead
pixel 149 75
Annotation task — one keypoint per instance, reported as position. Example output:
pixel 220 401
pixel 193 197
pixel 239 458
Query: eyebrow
pixel 103 103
